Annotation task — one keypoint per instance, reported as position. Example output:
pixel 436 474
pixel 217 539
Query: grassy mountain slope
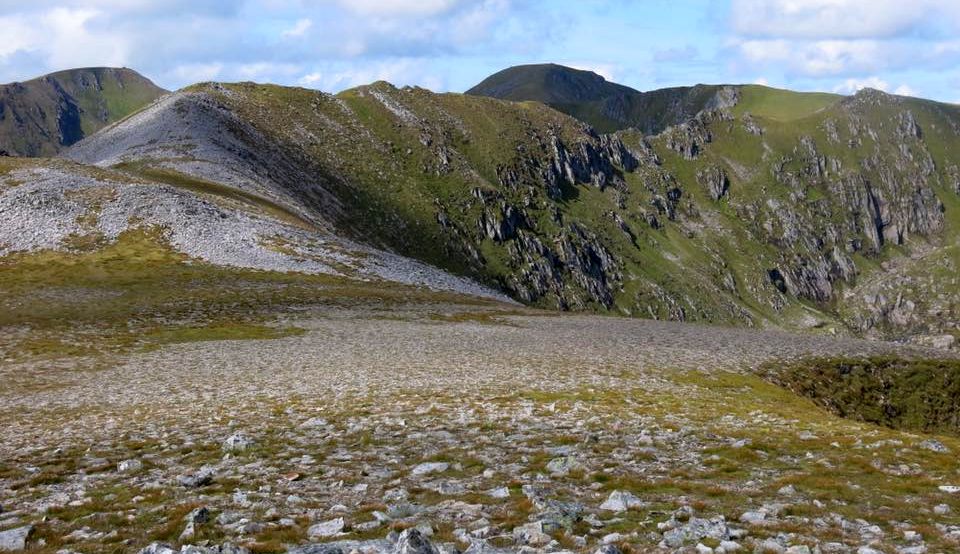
pixel 41 116
pixel 591 98
pixel 775 211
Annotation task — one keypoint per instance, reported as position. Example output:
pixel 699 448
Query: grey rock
pixel 326 529
pixel 752 517
pixel 430 467
pixel 412 541
pixel 772 547
pixel 13 540
pixel 198 515
pixel 157 548
pixel 562 465
pixel 934 446
pixel 533 534
pixel 129 466
pixel 199 479
pixel 715 180
pixel 621 501
pixel 238 442
pixel 787 490
pixel 696 529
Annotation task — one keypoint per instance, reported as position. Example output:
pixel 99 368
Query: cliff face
pixel 42 116
pixel 752 212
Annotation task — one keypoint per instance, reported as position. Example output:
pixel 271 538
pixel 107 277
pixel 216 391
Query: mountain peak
pixel 548 83
pixel 591 98
pixel 41 116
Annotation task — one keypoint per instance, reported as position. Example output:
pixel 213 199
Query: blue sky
pixel 831 45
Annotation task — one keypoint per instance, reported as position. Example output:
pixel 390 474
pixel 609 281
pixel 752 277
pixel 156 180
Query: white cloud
pixel 197 72
pixel 816 58
pixel 398 7
pixel 851 86
pixel 299 28
pixel 311 79
pixel 839 19
pixel 264 70
pixel 182 41
pixel 843 38
pixel 905 90
pixel 339 76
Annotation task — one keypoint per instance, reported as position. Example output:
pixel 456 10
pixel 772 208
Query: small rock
pixel 730 546
pixel 531 534
pixel 798 549
pixel 314 422
pixel 934 446
pixel 753 518
pixel 237 442
pixel 941 509
pixel 621 501
pixel 771 546
pixel 430 467
pixel 788 490
pixel 951 489
pixel 13 540
pixel 198 515
pixel 449 488
pixel 608 549
pixel 228 518
pixel 501 492
pixel 188 532
pixel 611 538
pixel 157 548
pixel 561 465
pixel 413 541
pixel 129 466
pixel 199 479
pixel 703 549
pixel 325 529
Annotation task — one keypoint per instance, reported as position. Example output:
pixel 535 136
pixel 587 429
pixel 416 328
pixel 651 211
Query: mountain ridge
pixel 41 116
pixel 782 209
pixel 766 225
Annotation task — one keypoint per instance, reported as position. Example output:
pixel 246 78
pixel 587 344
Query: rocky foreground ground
pixel 445 427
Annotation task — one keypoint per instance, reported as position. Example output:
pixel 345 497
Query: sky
pixel 906 47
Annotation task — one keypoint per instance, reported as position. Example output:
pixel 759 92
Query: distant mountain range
pixel 739 204
pixel 41 116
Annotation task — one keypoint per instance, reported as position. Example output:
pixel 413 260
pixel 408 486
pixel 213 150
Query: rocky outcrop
pixel 552 164
pixel 575 270
pixel 883 201
pixel 690 138
pixel 714 179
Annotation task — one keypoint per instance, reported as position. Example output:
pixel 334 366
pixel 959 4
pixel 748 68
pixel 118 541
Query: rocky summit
pixel 551 315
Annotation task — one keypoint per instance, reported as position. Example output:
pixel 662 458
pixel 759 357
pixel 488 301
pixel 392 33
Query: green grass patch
pixel 913 394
